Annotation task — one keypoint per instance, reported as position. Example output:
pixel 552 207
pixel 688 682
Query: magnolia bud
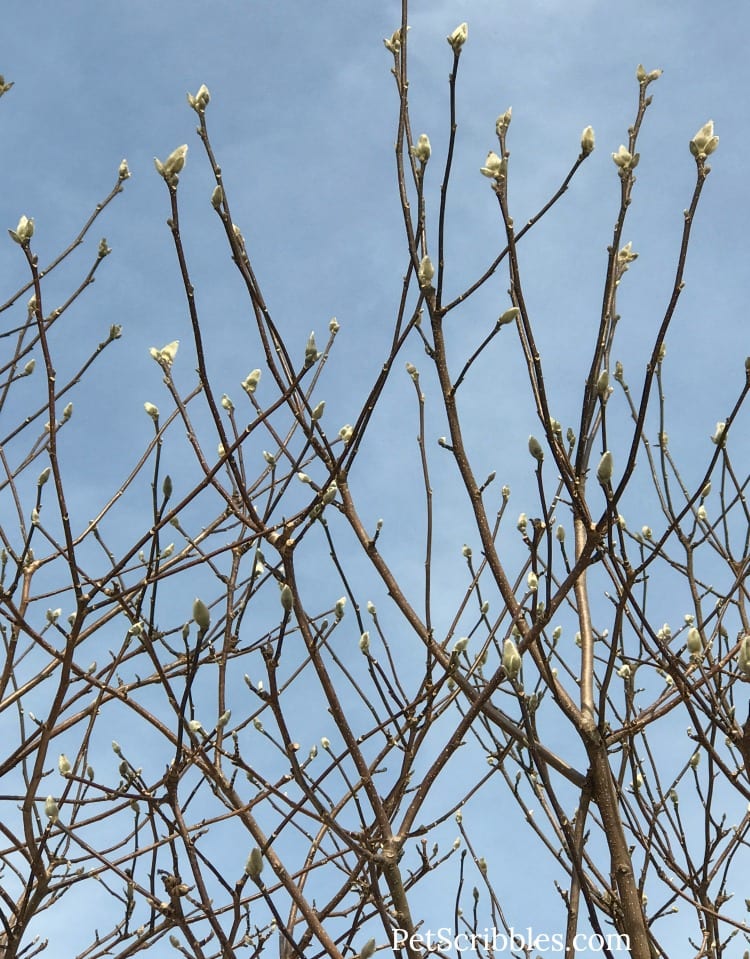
pixel 317 411
pixel 422 149
pixel 311 350
pixel 459 37
pixel 325 742
pixel 587 141
pixel 511 659
pixel 704 142
pixel 495 167
pixel 371 608
pixel 694 642
pixel 625 160
pixel 364 642
pixel 509 316
pixel 535 449
pixel 743 656
pixel 201 615
pixel 123 172
pixel 695 759
pixel 334 326
pixel 604 469
pixel 466 551
pixel 339 608
pixel 718 437
pixel 286 597
pixel 602 385
pixel 217 197
pixel 560 534
pixel 425 272
pixel 368 949
pixel 199 102
pixel 172 165
pixel 51 809
pixel 24 231
pixel 63 764
pixel 461 644
pixel 533 582
pixel 227 404
pixel 250 383
pixel 254 864
pixel 153 411
pixel 521 522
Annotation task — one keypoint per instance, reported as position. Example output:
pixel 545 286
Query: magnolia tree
pixel 285 764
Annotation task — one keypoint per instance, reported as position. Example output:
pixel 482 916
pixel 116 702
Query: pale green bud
pixel 702 514
pixel 195 726
pixel 743 656
pixel 165 356
pixel 250 383
pixel 173 165
pixel 371 608
pixel 695 759
pixel 29 367
pixel 587 141
pixel 521 522
pixel 556 633
pixel 311 350
pixel 461 644
pixel 199 102
pixel 425 272
pixel 227 404
pixel 43 476
pixel 602 385
pixel 116 748
pixel 503 121
pixel 505 491
pixel 123 171
pixel 511 659
pixel 533 582
pixel 495 167
pixel 217 197
pixel 647 532
pixel 24 231
pixel 286 597
pixel 269 458
pixel 535 448
pixel 166 487
pixel 67 412
pixel 63 765
pixel 364 642
pixel 53 615
pixel 604 469
pixel 625 160
pixel 422 149
pixel 625 671
pixel 394 43
pixel 718 437
pixel 201 615
pixel 222 721
pixel 625 256
pixel 51 809
pixel 303 478
pixel 334 326
pixel 485 607
pixel 325 742
pixel 704 142
pixel 254 864
pixel 466 551
pixel 509 316
pixel 317 411
pixel 560 534
pixel 694 642
pixel 368 949
pixel 345 433
pixel 339 608
pixel 153 411
pixel 459 37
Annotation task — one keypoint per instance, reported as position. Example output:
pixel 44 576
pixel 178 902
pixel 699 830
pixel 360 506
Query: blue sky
pixel 303 118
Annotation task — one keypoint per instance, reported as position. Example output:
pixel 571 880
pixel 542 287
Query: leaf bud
pixel 311 350
pixel 368 949
pixel 217 197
